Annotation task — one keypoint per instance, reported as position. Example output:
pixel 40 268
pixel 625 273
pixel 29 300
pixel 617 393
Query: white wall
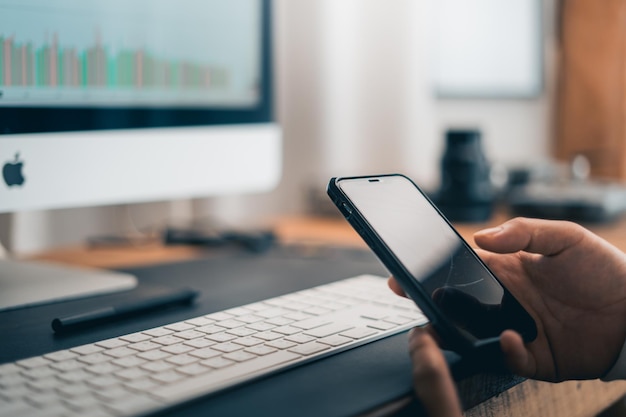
pixel 354 96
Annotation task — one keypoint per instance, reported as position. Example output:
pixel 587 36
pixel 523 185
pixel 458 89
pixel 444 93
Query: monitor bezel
pixel 40 119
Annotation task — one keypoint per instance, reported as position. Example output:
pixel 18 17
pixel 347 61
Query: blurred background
pixel 373 86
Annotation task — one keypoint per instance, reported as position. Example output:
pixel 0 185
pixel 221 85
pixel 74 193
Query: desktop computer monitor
pixel 132 101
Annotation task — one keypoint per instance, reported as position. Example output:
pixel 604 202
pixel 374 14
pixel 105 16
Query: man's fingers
pixel 546 237
pixel 395 287
pixel 517 357
pixel 431 377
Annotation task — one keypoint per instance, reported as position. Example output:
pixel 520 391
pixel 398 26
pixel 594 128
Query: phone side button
pixel 347 211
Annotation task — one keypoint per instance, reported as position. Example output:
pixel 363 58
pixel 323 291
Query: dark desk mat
pixel 346 384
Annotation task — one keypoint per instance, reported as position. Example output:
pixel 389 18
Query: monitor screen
pixel 127 101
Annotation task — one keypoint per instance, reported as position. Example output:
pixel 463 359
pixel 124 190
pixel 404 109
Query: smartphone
pixel 465 302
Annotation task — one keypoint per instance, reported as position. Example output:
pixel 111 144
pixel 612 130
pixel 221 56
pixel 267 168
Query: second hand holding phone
pixel 462 298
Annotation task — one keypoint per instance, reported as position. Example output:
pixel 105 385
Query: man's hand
pixel 431 377
pixel 572 282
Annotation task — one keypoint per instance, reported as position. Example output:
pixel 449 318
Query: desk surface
pixel 575 398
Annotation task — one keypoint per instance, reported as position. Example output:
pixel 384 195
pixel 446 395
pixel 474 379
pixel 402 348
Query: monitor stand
pixel 26 284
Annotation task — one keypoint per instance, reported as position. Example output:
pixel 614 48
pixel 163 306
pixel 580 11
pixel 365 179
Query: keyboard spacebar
pixel 211 381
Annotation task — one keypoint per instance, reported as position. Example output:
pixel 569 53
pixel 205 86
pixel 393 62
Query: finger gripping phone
pixel 465 302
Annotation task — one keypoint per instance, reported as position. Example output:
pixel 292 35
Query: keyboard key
pixel 158 366
pixel 382 325
pixel 190 387
pixel 335 340
pixel 34 362
pixel 167 377
pixel 73 390
pixel 200 321
pixel 179 327
pixel 158 332
pixel 220 316
pixel 132 404
pixel 227 347
pixel 37 373
pixel 135 337
pixel 177 349
pixel 261 326
pixel 248 341
pixel 250 318
pixel 193 369
pixel 328 329
pixel 153 355
pixel 359 332
pixel 269 335
pixel 217 363
pixel 68 365
pixel 103 368
pixel 210 329
pixel 112 393
pixel 113 343
pixel 281 344
pixel 144 346
pixel 71 377
pixel 300 338
pixel 260 350
pixel 120 352
pixel 279 321
pixel 182 359
pixel 131 373
pixel 230 324
pixel 83 403
pixel 167 340
pixel 311 323
pixel 241 331
pixel 287 330
pixel 103 382
pixel 297 316
pixel 206 353
pixel 189 334
pixel 239 311
pixel 144 384
pixel 239 356
pixel 221 337
pixel 92 359
pixel 129 361
pixel 87 349
pixel 309 348
pixel 61 355
pixel 200 343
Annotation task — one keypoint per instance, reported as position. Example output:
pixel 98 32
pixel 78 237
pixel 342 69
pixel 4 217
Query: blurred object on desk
pixel 466 193
pixel 567 194
pixel 585 202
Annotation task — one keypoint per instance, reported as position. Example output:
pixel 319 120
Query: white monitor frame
pixel 73 169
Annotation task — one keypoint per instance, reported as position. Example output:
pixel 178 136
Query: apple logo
pixel 12 172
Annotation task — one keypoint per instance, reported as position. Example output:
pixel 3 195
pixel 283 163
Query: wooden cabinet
pixel 591 97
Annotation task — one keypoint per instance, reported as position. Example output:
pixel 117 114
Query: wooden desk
pixel 527 398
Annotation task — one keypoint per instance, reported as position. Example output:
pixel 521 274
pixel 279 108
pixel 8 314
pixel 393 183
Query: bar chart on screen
pixel 95 52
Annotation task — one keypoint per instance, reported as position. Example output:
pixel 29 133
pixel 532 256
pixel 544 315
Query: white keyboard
pixel 147 371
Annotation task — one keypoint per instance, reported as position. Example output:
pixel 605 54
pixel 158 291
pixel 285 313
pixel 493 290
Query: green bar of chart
pixel 54 65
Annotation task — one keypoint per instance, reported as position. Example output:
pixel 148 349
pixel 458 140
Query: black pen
pixel 111 313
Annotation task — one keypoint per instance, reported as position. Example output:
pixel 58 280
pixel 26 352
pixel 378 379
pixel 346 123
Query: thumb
pixel 545 237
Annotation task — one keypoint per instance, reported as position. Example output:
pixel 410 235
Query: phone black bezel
pixel 450 334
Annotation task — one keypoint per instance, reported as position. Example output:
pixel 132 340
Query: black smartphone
pixel 435 266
